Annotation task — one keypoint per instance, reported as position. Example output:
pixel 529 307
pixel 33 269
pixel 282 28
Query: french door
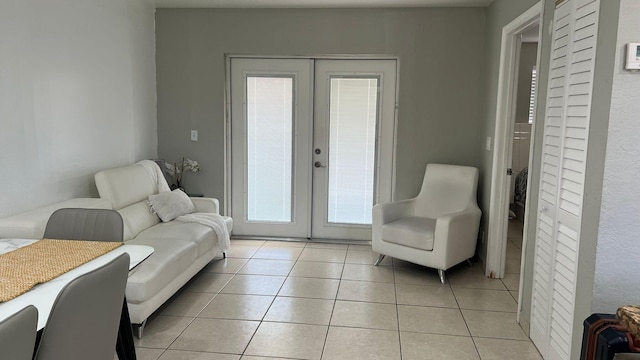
pixel 311 145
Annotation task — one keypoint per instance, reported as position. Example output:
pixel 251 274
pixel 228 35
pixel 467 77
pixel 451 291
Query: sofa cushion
pixel 203 236
pixel 169 259
pixel 125 186
pixel 136 218
pixel 169 205
pixel 413 231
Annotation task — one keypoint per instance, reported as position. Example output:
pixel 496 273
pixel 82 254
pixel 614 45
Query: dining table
pixel 43 296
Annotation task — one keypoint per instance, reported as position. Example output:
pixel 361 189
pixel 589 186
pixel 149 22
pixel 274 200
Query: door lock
pixel 318 164
pixel 317 151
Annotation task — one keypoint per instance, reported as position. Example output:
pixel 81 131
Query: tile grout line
pixel 395 292
pixel 466 324
pixel 326 335
pixel 194 317
pixel 335 300
pixel 274 299
pixel 260 322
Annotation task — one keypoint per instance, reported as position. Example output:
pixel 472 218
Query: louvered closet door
pixel 566 131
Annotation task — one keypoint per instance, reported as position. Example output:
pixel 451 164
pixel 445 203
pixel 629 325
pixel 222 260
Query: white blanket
pixel 156 174
pixel 214 221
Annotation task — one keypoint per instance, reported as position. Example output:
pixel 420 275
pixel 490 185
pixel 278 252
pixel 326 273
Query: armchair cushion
pixel 413 231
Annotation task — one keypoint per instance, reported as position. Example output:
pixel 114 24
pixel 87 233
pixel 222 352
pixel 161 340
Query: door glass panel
pixel 269 148
pixel 353 116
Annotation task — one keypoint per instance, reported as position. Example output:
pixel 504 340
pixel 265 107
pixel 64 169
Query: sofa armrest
pixel 206 205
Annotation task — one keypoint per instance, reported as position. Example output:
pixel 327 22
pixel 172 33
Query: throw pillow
pixel 169 205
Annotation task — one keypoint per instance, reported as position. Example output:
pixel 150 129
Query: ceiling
pixel 315 3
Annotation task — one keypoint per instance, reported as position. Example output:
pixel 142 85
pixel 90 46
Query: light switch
pixel 488 146
pixel 633 57
pixel 194 135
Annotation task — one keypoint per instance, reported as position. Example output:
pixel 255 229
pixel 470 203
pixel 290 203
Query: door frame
pixel 227 112
pixel 503 143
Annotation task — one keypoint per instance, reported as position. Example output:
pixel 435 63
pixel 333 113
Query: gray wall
pixel 528 57
pixel 440 85
pixel 617 248
pixel 77 95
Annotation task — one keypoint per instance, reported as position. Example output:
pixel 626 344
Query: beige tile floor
pixel 297 300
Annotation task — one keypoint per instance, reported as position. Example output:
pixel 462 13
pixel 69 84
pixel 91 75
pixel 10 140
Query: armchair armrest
pixel 457 234
pixel 385 213
pixel 206 205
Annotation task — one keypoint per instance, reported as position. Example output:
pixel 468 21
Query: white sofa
pixel 181 249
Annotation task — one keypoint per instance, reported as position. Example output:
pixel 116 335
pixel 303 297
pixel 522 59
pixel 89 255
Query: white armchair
pixel 439 227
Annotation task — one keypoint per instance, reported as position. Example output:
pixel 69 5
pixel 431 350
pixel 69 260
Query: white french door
pixel 311 145
pixel 270 146
pixel 351 97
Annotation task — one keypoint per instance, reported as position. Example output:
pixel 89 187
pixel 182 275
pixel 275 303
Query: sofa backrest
pixel 128 188
pixel 446 189
pixel 31 224
pixel 125 186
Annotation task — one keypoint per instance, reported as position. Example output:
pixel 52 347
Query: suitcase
pixel 612 341
pixel 592 326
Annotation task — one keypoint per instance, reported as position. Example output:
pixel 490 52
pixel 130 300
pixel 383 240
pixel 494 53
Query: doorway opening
pixel 514 129
pixel 521 146
pixel 311 145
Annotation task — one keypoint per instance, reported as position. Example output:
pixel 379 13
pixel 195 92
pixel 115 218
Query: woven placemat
pixel 22 269
pixel 629 317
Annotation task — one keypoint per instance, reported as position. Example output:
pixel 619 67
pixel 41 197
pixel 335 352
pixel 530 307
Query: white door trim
pixel 503 138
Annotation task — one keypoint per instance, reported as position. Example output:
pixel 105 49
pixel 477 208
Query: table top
pixel 44 295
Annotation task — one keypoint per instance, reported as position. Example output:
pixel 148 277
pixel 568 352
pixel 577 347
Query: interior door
pixel 566 130
pixel 354 116
pixel 271 146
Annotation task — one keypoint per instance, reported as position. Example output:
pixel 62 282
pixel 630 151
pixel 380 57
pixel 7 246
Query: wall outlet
pixel 488 144
pixel 194 135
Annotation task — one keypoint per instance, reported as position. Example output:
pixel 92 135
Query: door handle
pixel 318 164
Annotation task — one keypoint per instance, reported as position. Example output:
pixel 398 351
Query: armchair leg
pixel 140 329
pixel 441 274
pixel 380 258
